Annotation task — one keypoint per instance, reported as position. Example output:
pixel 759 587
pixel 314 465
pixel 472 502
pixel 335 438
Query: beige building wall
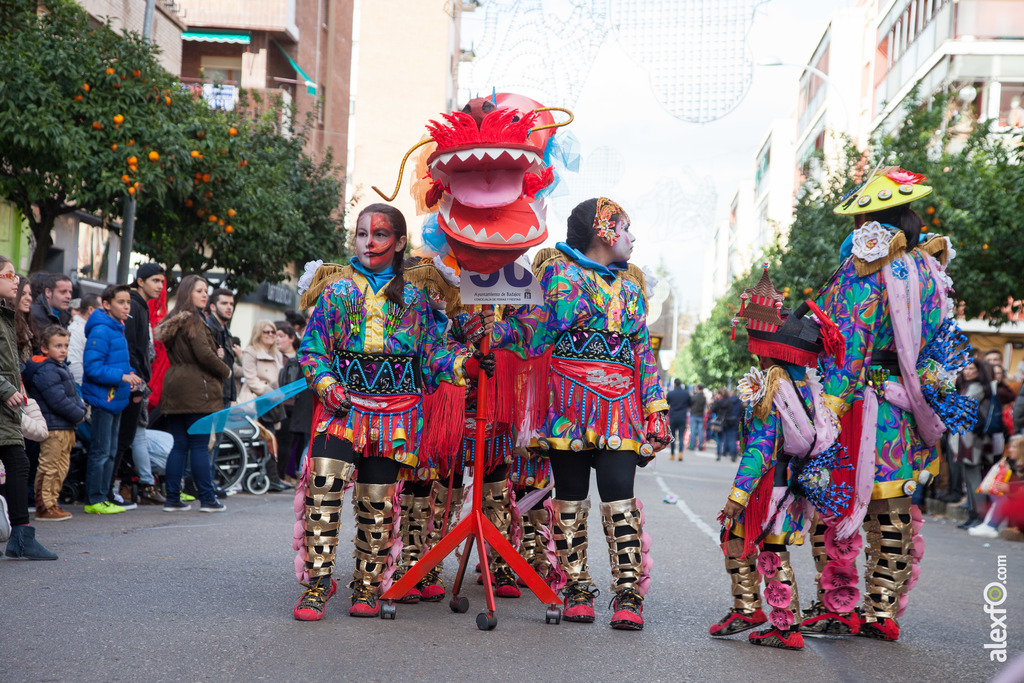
pixel 401 76
pixel 128 14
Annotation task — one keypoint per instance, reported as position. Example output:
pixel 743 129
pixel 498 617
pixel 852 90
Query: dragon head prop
pixel 486 171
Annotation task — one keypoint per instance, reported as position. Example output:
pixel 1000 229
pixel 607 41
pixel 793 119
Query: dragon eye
pixel 515 118
pixel 487 106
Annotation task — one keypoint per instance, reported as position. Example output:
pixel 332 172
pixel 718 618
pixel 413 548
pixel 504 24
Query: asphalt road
pixel 151 596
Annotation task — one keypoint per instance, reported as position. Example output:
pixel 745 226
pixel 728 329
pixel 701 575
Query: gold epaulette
pixel 937 246
pixel 426 276
pixel 763 408
pixel 550 255
pixel 897 247
pixel 326 275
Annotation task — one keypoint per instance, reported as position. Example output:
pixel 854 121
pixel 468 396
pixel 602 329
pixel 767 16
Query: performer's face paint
pixel 622 247
pixel 376 243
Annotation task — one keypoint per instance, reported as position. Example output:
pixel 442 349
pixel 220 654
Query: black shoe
pixel 279 486
pixel 219 492
pixel 23 545
pixel 971 521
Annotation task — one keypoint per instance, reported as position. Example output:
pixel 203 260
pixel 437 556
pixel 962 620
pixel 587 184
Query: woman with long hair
pixel 193 388
pixel 370 347
pixel 22 543
pixel 23 328
pixel 261 370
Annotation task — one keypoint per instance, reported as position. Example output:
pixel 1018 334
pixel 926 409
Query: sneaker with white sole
pixel 176 506
pixel 103 508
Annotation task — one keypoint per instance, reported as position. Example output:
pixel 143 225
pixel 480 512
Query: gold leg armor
pixel 787 576
pixel 415 520
pixel 889 539
pixel 327 480
pixel 538 560
pixel 820 557
pixel 622 529
pixel 375 517
pixel 439 497
pixel 497 507
pixel 746 596
pixel 569 530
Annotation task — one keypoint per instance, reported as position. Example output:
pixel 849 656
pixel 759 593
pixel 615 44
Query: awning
pixel 231 37
pixel 310 83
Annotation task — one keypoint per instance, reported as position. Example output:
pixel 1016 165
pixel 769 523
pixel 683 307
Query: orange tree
pixel 88 118
pixel 254 201
pixel 81 109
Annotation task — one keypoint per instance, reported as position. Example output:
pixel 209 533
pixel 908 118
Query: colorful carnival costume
pixel 788 438
pixel 368 359
pixel 606 405
pixel 434 499
pixel 894 391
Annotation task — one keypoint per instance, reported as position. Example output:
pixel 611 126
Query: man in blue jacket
pixel 108 383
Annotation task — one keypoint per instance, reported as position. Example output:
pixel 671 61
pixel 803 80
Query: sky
pixel 675 178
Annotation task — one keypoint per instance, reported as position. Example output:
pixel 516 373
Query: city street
pixel 148 595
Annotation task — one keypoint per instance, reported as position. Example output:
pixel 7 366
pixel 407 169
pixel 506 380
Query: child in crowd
pixel 76 347
pixel 109 380
pixel 50 383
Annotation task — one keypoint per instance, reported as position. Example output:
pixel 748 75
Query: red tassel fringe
pixel 756 512
pixel 444 418
pixel 850 426
pixel 832 339
pixel 533 183
pixel 782 352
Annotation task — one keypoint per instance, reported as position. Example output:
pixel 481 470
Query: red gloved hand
pixel 479 361
pixel 336 400
pixel 658 431
pixel 478 325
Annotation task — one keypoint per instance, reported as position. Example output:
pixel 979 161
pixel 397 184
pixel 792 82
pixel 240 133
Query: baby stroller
pixel 242 456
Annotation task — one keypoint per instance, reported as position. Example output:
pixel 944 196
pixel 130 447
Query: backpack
pixel 990 417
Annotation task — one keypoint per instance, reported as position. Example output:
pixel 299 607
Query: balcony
pixel 275 16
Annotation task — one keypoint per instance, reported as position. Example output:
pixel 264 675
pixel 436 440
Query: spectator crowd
pixel 98 392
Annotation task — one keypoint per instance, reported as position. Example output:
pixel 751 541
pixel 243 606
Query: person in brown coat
pixel 193 388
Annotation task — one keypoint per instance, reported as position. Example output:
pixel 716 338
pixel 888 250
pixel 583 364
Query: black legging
pixel 370 470
pixel 615 473
pixel 16 463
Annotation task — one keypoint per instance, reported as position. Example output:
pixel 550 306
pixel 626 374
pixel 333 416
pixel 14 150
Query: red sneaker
pixel 629 610
pixel 773 637
pixel 579 602
pixel 883 629
pixel 505 583
pixel 314 600
pixel 819 621
pixel 737 622
pixel 364 602
pixel 413 596
pixel 432 587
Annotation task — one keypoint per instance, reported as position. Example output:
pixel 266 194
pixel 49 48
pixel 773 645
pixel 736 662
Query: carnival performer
pixel 607 409
pixel 894 389
pixel 788 437
pixel 434 497
pixel 370 346
pixel 530 477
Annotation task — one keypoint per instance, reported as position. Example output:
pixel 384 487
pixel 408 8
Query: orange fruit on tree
pixel 133 160
pixel 154 156
pixel 131 143
pixel 118 118
pixel 231 213
pixel 213 219
pixel 85 87
pixel 229 229
pixel 110 71
pixel 97 125
pixel 200 213
pixel 117 85
pixel 207 194
pixel 232 131
pixel 195 154
pixel 206 177
pixel 221 221
pixel 113 147
pixel 78 98
pixel 167 100
pixel 126 179
pixel 131 190
pixel 188 203
pixel 136 73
